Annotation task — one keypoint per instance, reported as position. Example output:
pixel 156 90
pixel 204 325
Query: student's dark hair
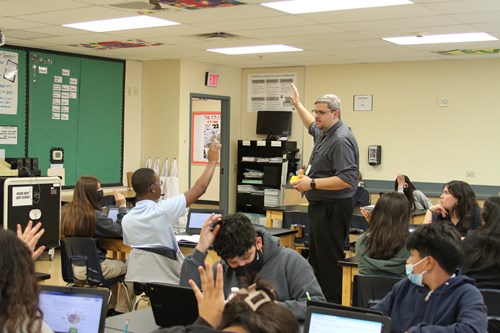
pixel 18 287
pixel 388 228
pixel 464 209
pixel 486 248
pixel 236 235
pixel 142 179
pixel 440 241
pixel 407 191
pixel 78 218
pixel 270 317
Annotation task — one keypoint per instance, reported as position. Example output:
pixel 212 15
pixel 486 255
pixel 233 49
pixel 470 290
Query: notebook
pixel 72 309
pixel 172 305
pixel 325 320
pixel 196 218
pixel 113 212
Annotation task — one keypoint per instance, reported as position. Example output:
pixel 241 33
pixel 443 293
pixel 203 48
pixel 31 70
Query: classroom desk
pixel 67 195
pixel 349 269
pixel 276 213
pixel 120 250
pixel 141 321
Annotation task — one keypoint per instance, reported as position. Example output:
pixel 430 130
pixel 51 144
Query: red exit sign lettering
pixel 212 79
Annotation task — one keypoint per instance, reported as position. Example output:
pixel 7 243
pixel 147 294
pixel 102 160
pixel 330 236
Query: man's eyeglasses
pixel 319 113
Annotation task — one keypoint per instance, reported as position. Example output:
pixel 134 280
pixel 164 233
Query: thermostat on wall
pixel 56 155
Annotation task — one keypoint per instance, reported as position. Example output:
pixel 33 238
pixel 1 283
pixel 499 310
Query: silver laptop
pixel 72 309
pixel 326 320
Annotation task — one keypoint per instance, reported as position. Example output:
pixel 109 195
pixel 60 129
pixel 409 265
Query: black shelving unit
pixel 263 167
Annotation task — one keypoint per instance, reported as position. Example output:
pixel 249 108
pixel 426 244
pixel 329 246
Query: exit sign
pixel 212 79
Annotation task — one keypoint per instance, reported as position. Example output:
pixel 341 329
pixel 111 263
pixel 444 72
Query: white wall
pixel 427 142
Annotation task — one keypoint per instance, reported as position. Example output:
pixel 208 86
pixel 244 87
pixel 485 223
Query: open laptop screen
pixel 113 212
pixel 324 320
pixel 196 218
pixel 71 309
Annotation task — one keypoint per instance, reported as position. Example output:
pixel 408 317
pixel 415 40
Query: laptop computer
pixel 325 320
pixel 72 309
pixel 172 305
pixel 196 217
pixel 329 305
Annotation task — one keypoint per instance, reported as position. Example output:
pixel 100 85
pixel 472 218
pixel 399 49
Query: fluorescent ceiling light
pixel 255 49
pixel 438 39
pixel 314 6
pixel 124 23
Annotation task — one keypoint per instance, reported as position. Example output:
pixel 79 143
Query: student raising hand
pixel 30 237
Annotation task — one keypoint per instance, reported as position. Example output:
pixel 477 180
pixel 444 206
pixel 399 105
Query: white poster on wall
pixel 270 92
pixel 8 82
pixel 8 135
pixel 205 128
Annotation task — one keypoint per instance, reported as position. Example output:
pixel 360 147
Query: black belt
pixel 163 251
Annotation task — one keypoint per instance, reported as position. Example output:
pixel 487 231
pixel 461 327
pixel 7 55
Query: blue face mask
pixel 415 278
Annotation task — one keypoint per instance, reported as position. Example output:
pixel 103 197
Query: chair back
pixel 367 290
pixel 81 251
pixel 492 300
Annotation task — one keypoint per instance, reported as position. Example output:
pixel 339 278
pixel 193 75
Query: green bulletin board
pixel 74 103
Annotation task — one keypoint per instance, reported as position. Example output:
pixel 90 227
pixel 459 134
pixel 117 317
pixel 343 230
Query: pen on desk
pixel 125 330
pixel 308 296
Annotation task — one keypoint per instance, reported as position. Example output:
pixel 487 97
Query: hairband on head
pixel 255 298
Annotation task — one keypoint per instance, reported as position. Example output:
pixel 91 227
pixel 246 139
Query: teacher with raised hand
pixel 329 183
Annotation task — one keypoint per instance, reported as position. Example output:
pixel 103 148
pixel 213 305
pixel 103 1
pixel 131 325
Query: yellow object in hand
pixel 294 179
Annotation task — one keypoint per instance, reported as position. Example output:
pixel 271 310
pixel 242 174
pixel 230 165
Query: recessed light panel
pixel 315 6
pixel 124 23
pixel 441 39
pixel 255 49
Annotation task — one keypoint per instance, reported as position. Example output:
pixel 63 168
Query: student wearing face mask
pixel 250 253
pixel 433 298
pixel 83 218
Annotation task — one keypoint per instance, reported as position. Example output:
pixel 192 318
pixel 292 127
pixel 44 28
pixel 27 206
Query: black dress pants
pixel 329 227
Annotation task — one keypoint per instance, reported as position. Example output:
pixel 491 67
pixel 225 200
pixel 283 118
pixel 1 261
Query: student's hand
pixel 207 236
pixel 401 180
pixel 211 300
pixel 303 184
pixel 30 237
pixel 119 199
pixel 439 209
pixel 367 214
pixel 214 152
pixel 295 98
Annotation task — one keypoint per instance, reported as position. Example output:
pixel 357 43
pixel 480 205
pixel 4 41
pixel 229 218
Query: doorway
pixel 216 109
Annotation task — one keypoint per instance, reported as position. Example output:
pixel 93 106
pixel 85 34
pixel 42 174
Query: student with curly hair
pixel 382 248
pixel 252 309
pixel 19 311
pixel 457 207
pixel 250 253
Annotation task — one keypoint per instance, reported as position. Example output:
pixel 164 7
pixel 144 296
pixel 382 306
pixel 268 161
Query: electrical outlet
pixel 443 101
pixel 470 174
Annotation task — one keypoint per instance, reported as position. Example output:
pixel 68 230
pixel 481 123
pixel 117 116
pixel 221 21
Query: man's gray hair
pixel 331 100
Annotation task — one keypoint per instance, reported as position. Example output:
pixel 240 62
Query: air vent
pixel 217 36
pixel 134 5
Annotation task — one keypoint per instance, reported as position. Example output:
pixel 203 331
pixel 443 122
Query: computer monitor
pixel 274 123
